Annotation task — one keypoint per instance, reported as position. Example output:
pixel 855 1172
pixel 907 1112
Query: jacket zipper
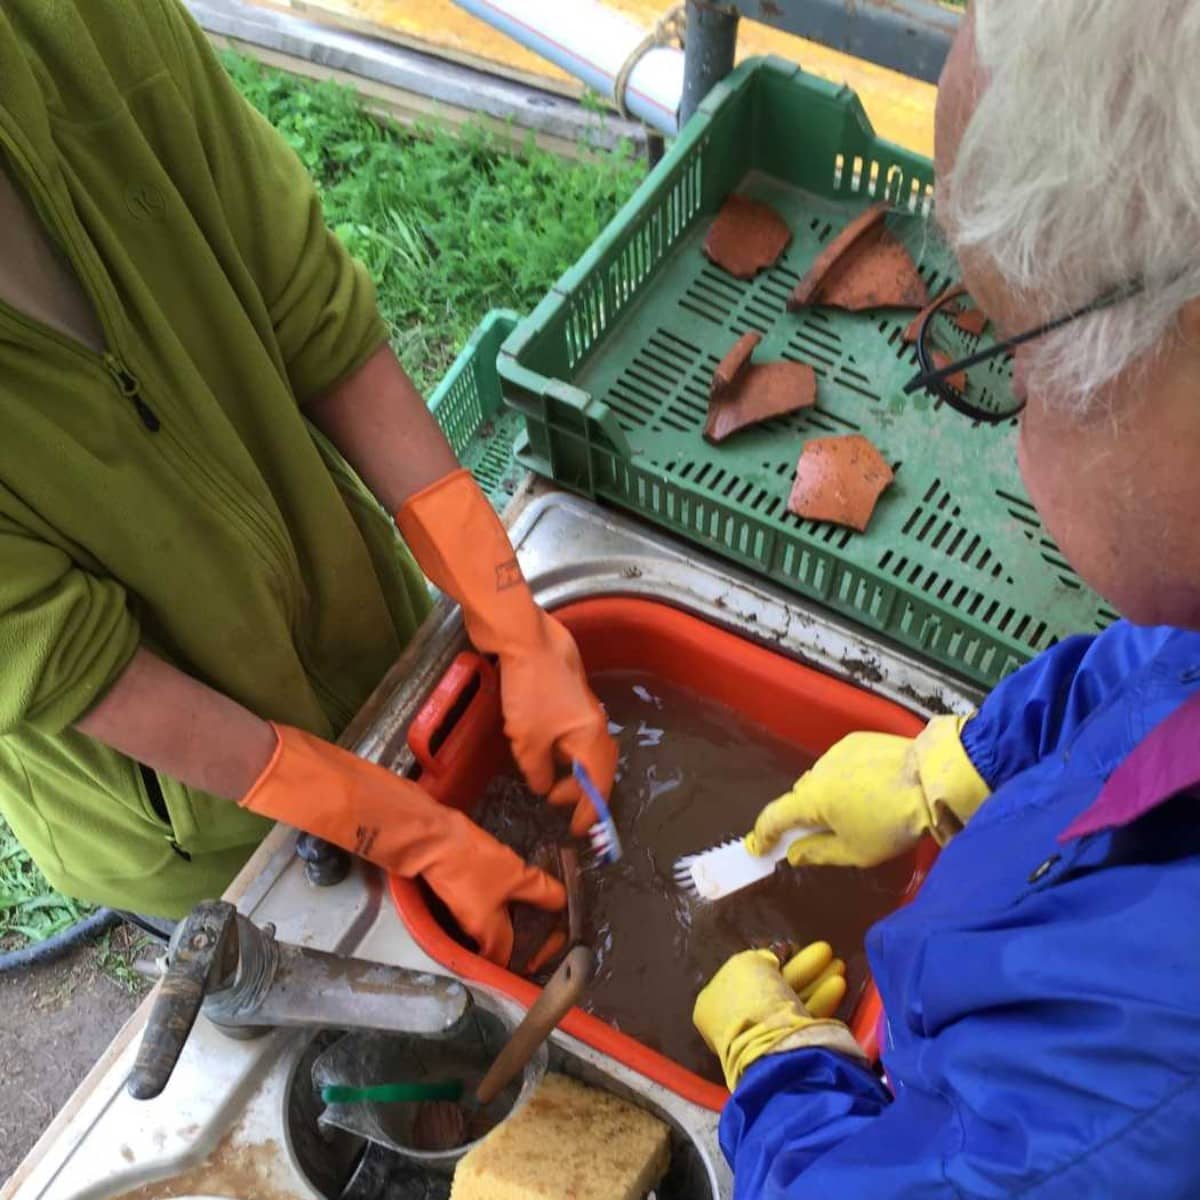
pixel 130 387
pixel 125 381
pixel 260 536
pixel 128 384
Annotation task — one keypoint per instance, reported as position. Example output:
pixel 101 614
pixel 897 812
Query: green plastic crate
pixel 611 373
pixel 468 405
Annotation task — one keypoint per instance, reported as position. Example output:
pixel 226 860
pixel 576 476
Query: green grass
pixel 449 228
pixel 30 910
pixel 119 949
pixel 449 225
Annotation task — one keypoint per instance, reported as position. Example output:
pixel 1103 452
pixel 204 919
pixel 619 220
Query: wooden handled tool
pixel 558 997
pixel 442 1125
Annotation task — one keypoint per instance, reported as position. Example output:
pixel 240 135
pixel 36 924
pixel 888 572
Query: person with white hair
pixel 1042 992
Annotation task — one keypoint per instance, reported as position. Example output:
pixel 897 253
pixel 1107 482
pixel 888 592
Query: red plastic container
pixel 458 740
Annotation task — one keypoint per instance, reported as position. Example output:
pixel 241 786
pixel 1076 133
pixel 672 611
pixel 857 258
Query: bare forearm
pixel 162 717
pixel 379 422
pixel 181 727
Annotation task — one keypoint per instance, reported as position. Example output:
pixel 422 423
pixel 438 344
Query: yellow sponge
pixel 570 1142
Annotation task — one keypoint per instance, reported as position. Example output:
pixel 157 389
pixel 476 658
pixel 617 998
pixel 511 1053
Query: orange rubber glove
pixel 316 786
pixel 550 715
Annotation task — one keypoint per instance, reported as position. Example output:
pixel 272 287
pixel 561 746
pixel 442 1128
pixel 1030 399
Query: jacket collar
pixel 1165 763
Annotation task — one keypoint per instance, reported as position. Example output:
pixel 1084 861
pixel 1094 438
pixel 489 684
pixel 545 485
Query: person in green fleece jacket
pixel 197 590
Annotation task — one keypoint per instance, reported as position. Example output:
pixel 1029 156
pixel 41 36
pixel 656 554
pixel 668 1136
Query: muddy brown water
pixel 692 773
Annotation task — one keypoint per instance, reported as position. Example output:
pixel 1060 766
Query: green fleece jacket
pixel 170 493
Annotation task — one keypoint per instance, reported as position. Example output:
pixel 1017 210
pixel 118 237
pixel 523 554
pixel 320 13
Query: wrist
pixel 952 787
pixel 793 1032
pixel 260 745
pixel 252 753
pixel 826 1034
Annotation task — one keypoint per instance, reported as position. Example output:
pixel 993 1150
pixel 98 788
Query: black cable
pixel 159 928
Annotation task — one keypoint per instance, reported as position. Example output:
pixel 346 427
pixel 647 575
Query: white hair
pixel 1080 173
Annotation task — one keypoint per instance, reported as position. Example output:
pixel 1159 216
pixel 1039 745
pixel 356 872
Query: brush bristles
pixel 684 877
pixel 606 846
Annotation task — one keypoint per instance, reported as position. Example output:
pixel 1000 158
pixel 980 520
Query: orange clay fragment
pixel 806 290
pixel 972 320
pixel 958 381
pixel 733 364
pixel 762 392
pixel 863 267
pixel 967 317
pixel 914 326
pixel 743 393
pixel 746 237
pixel 839 479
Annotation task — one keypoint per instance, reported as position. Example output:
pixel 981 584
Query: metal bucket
pixel 368 1059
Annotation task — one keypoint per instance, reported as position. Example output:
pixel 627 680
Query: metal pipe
pixel 246 983
pixel 593 43
pixel 712 31
pixel 909 36
pixel 280 986
pixel 411 83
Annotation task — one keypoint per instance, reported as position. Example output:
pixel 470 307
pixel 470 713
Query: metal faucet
pixel 246 983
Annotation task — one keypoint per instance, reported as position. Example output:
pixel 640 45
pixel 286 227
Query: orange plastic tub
pixel 458 741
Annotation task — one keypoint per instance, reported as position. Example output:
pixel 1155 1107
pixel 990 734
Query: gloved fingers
pixel 596 750
pixel 494 936
pixel 567 792
pixel 547 952
pixel 813 991
pixel 824 850
pixel 747 1009
pixel 539 889
pixel 535 758
pixel 806 966
pixel 835 969
pixel 797 807
pixel 583 818
pixel 493 930
pixel 827 999
pixel 540 764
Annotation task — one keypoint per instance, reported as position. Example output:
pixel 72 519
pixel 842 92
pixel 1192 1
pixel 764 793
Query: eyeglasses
pixel 983 395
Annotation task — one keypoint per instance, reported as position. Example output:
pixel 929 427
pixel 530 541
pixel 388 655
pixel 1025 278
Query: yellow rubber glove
pixel 550 714
pixel 751 1008
pixel 877 795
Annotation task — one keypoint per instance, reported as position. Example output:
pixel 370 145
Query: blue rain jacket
pixel 1042 996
